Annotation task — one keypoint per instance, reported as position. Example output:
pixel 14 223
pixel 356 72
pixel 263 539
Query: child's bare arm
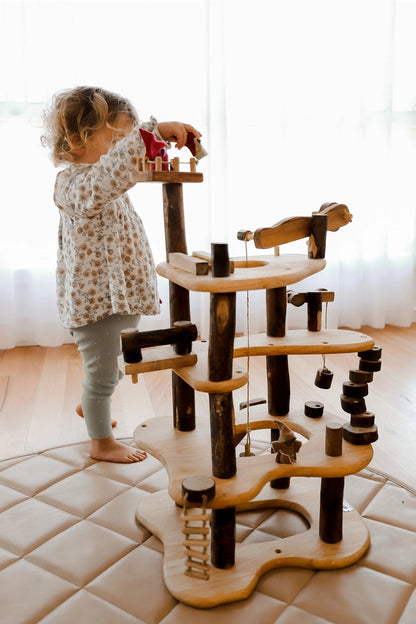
pixel 176 131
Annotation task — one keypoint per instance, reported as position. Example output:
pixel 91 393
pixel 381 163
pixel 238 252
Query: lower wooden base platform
pixel 306 550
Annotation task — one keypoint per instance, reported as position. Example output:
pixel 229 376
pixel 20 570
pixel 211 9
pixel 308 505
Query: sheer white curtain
pixel 299 103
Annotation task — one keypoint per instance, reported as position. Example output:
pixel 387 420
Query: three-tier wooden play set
pixel 311 451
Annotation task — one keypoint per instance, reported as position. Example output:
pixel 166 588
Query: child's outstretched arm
pixel 176 131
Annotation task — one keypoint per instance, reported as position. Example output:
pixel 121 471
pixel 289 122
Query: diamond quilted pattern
pixel 28 524
pixel 28 592
pixel 72 551
pixel 81 552
pixel 81 493
pixel 353 595
pixel 35 474
pixel 84 608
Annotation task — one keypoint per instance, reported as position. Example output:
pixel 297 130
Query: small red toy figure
pixel 194 145
pixel 154 148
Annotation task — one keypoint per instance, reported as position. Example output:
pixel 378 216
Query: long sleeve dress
pixel 104 263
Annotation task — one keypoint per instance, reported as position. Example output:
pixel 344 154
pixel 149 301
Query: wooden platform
pixel 304 550
pixel 186 454
pixel 169 176
pixel 262 272
pixel 193 368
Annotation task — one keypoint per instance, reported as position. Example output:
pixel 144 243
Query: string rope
pixel 248 443
pixel 326 327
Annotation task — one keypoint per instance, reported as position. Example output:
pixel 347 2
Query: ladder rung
pixel 194 542
pixel 195 564
pixel 197 555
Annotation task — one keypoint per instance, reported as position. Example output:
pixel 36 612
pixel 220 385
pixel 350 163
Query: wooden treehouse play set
pixel 209 482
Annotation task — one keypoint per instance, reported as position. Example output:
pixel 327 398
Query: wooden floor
pixel 40 387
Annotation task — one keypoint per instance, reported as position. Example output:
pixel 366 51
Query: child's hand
pixel 177 131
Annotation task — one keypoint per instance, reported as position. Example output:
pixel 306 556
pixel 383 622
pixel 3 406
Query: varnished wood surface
pixel 188 455
pixel 304 549
pixel 260 272
pixel 40 387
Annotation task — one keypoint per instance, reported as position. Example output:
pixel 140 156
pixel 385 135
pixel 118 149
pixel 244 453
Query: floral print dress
pixel 104 264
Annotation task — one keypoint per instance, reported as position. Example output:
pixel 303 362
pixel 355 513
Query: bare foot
pixel 79 411
pixel 111 450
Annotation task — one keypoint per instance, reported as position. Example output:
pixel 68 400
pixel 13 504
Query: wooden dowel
pixel 182 332
pixel 220 260
pixel 333 439
pixel 276 306
pixel 223 538
pixel 330 517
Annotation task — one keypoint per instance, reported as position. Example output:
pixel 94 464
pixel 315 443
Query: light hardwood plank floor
pixel 40 387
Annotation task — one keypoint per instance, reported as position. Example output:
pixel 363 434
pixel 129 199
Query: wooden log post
pixel 314 305
pixel 223 538
pixel 317 236
pixel 220 362
pixel 330 515
pixel 183 395
pixel 220 365
pixel 278 381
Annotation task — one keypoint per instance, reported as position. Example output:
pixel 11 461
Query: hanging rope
pixel 326 327
pixel 247 446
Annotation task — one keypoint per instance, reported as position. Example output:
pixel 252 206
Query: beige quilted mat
pixel 72 553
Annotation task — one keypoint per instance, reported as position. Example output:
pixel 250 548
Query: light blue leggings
pixel 100 345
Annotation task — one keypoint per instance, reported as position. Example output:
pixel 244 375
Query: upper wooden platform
pixel 169 176
pixel 260 272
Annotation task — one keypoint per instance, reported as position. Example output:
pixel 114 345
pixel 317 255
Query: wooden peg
pixel 366 419
pixel 353 405
pixel 333 439
pixel 372 354
pixel 220 260
pixel 317 237
pixel 360 376
pixel 197 488
pixel 369 365
pixel 314 311
pixel 180 335
pixel 330 516
pixel 359 435
pixel 174 163
pixel 134 354
pixel 351 389
pixel 245 235
pixel 252 402
pixel 313 409
pixel 323 378
pixel 192 165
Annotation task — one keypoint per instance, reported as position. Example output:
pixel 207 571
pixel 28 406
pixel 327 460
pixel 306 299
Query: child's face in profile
pixel 100 142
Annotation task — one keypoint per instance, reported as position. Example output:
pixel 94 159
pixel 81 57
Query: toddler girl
pixel 105 274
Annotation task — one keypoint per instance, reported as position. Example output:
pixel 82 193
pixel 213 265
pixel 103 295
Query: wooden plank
pixel 302 341
pixel 205 255
pixel 156 359
pixel 193 265
pixel 169 176
pixel 295 228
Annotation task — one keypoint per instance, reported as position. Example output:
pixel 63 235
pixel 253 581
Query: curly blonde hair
pixel 75 114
